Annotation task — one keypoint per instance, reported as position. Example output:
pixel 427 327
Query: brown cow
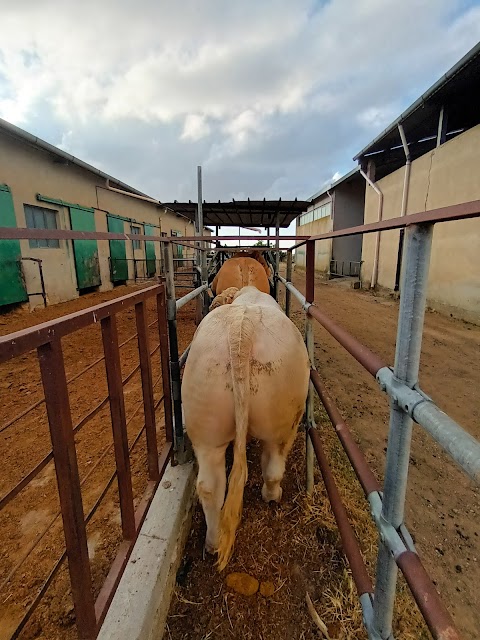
pixel 241 272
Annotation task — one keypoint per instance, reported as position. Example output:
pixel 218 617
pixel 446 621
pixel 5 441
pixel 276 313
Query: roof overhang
pixel 458 92
pixel 243 213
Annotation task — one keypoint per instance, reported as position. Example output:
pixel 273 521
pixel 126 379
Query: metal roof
pixel 458 91
pixel 16 132
pixel 348 177
pixel 242 213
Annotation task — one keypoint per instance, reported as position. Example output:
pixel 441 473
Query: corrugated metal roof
pixel 242 213
pixel 332 185
pixel 458 91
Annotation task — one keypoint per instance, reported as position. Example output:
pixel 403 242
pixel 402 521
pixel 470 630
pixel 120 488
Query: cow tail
pixel 240 339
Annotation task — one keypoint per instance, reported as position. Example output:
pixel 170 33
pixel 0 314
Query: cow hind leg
pixel 211 485
pixel 273 468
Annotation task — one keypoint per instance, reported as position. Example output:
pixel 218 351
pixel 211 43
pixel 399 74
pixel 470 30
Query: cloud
pixel 271 97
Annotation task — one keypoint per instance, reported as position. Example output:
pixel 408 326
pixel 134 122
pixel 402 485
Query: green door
pixel 150 250
pixel 118 252
pixel 12 287
pixel 85 251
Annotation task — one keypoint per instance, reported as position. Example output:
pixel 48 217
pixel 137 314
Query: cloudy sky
pixel 272 97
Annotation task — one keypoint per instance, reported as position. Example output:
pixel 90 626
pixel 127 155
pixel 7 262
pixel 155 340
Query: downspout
pixel 377 235
pixel 403 212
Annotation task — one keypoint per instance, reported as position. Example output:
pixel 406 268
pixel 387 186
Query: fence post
pixel 54 382
pixel 178 435
pixel 288 295
pixel 147 391
pixel 407 359
pixel 309 340
pixel 277 256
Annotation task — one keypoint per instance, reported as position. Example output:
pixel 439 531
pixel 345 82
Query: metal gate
pixel 12 287
pixel 118 252
pixel 87 265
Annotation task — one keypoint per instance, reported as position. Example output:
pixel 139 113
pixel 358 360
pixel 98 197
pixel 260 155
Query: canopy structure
pixel 243 213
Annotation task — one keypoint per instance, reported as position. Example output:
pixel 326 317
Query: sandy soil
pixel 26 442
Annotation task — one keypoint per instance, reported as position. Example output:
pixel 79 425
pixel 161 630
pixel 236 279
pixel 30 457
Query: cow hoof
pixel 274 495
pixel 208 548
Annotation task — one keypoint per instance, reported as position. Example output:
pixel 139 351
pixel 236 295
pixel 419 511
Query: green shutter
pixel 12 287
pixel 118 252
pixel 87 265
pixel 150 250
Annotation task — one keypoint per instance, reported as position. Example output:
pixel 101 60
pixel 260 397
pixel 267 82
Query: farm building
pixel 428 158
pixel 338 206
pixel 43 187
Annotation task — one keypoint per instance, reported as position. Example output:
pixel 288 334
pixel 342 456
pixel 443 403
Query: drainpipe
pixel 403 212
pixel 377 235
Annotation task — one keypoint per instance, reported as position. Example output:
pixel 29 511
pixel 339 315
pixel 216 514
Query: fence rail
pixel 46 339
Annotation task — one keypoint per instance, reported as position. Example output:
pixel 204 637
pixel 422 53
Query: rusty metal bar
pixel 369 360
pixel 165 363
pixel 54 382
pixel 310 272
pixel 69 380
pixel 119 426
pixel 357 459
pixel 433 610
pixel 49 457
pixel 147 391
pixel 16 343
pixel 349 541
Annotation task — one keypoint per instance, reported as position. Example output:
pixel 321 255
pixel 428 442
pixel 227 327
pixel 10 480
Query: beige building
pixel 338 206
pixel 44 187
pixel 441 138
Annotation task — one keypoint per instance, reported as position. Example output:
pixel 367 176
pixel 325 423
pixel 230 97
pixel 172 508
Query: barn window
pixel 40 218
pixel 136 243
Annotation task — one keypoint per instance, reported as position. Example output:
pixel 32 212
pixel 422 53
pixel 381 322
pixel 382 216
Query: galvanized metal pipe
pixel 183 358
pixel 377 190
pixel 300 297
pixel 407 358
pixel 179 438
pixel 309 341
pixel 181 302
pixel 289 279
pixel 277 256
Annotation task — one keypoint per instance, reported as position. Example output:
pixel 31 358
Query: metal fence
pixel 46 340
pixel 344 268
pixel 407 403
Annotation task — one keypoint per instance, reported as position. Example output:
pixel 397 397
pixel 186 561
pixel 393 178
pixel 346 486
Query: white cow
pixel 246 375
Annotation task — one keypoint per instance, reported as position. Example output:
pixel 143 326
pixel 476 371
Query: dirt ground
pixel 27 441
pixel 296 545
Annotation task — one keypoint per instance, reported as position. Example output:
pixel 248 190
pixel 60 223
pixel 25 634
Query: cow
pixel 241 272
pixel 246 376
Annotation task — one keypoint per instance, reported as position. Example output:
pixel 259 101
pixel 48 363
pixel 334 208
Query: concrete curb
pixel 140 606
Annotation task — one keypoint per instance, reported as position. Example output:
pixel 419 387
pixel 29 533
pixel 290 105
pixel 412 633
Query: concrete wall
pixel 348 212
pixel 445 176
pixel 323 248
pixel 29 171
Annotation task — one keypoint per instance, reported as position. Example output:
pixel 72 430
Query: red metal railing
pixel 46 339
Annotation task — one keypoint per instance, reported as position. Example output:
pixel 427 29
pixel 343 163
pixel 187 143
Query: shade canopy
pixel 243 213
